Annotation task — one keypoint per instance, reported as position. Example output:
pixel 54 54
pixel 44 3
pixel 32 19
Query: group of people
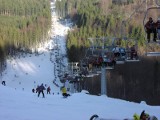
pixel 152 27
pixel 40 90
pixel 129 52
pixel 102 61
pixel 109 59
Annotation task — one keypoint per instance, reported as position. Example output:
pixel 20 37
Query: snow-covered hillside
pixel 21 105
pixel 30 70
pixel 17 102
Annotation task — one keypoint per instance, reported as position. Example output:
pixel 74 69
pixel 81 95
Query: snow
pixel 21 105
pixel 17 102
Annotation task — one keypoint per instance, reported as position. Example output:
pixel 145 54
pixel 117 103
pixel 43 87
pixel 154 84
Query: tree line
pixel 23 25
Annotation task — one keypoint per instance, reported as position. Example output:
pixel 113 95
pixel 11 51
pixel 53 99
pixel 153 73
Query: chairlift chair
pixel 97 50
pixel 120 58
pixel 86 68
pixel 74 68
pixel 132 51
pixel 108 61
pixel 152 48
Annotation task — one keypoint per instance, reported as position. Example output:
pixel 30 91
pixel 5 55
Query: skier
pixel 40 90
pixel 3 83
pixel 145 116
pixel 48 90
pixel 64 92
pixel 33 90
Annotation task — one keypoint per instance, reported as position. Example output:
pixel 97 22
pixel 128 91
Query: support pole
pixel 103 81
pixel 103 74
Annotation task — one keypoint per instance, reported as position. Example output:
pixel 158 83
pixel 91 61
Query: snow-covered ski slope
pixel 29 70
pixel 17 102
pixel 21 105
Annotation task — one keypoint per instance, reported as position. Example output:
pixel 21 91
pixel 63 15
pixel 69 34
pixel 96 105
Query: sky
pixel 17 102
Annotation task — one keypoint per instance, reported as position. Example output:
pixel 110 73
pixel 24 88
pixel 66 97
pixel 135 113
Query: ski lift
pixel 105 54
pixel 85 72
pixel 108 63
pixel 108 58
pixel 153 48
pixel 90 59
pixel 118 51
pixel 74 68
pixel 131 50
pixel 92 50
pixel 86 67
pixel 96 57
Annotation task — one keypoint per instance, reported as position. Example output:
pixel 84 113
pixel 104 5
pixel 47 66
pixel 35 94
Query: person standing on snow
pixel 40 90
pixel 48 90
pixel 4 83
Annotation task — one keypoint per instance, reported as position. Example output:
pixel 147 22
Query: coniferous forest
pixel 23 25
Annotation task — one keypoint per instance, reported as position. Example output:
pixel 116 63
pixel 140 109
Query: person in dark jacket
pixel 40 90
pixel 49 90
pixel 158 27
pixel 33 90
pixel 4 83
pixel 133 52
pixel 151 28
pixel 37 88
pixel 143 116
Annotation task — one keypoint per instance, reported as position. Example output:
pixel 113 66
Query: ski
pixel 96 117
